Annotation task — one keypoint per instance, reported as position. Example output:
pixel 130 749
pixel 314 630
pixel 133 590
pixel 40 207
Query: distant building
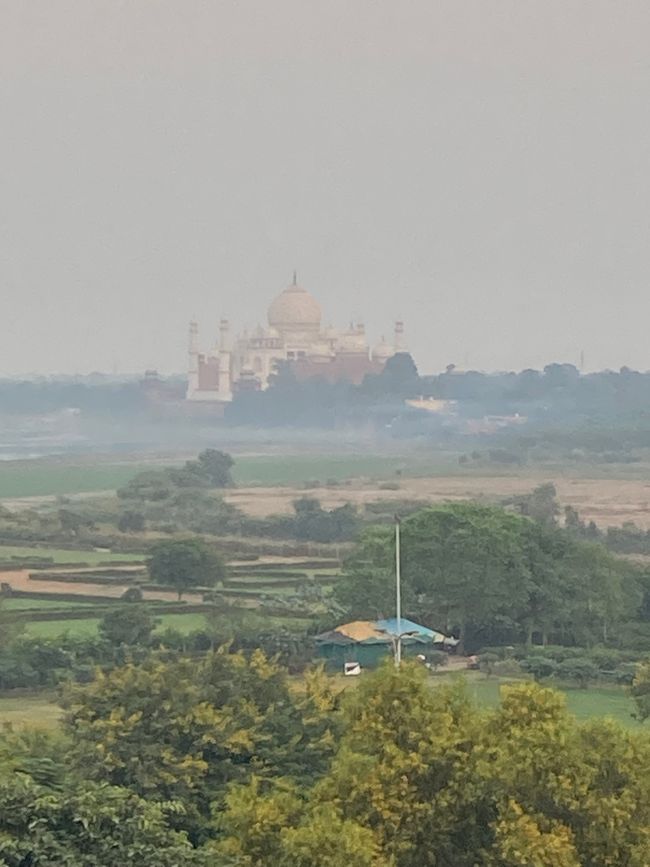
pixel 295 335
pixel 368 642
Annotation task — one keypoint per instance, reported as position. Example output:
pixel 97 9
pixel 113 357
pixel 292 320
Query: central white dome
pixel 295 310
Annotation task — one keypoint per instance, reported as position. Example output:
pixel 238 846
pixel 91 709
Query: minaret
pixel 193 365
pixel 398 343
pixel 225 384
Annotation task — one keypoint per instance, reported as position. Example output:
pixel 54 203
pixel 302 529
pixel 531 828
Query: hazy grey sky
pixel 480 168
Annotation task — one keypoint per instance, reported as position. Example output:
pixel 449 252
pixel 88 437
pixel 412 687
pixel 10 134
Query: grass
pixel 67 476
pixel 297 469
pixel 65 555
pixel 61 477
pixel 184 623
pixel 37 710
pixel 54 628
pixel 47 477
pixel 584 704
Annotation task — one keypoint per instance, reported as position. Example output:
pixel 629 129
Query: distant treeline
pixel 33 397
pixel 555 396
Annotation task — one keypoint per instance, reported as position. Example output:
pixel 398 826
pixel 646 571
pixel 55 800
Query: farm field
pixel 49 477
pixel 608 502
pixel 267 484
pixel 184 623
pixel 37 710
pixel 66 555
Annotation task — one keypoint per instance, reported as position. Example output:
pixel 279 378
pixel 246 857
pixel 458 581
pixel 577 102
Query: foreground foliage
pixel 226 762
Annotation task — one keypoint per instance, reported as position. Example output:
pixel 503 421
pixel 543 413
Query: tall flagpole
pixel 398 591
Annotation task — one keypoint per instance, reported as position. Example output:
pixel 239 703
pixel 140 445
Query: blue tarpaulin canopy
pixel 423 633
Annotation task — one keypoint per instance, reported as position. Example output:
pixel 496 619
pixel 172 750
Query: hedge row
pixel 9 566
pixel 89 577
pixel 284 566
pixel 99 610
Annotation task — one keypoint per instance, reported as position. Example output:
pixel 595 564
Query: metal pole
pixel 398 592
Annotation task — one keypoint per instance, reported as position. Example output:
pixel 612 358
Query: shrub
pixel 487 662
pixel 130 625
pixel 507 668
pixel 582 670
pixel 438 658
pixel 539 666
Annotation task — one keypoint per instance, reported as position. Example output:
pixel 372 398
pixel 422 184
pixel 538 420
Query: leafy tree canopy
pixel 185 563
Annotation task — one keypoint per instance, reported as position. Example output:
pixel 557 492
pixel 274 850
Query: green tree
pixel 541 504
pixel 10 628
pixel 128 624
pixel 185 563
pixel 183 730
pixel 367 586
pixel 216 466
pixel 87 824
pixel 152 486
pixel 74 522
pixel 462 565
pixel 640 691
pixel 131 522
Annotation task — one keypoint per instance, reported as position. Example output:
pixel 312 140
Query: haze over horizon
pixel 478 169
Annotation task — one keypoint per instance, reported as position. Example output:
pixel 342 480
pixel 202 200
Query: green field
pixel 184 623
pixel 66 555
pixel 55 628
pixel 37 710
pixel 63 477
pixel 297 469
pixel 43 477
pixel 583 703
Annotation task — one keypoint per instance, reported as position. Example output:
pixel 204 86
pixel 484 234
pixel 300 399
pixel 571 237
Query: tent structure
pixel 369 641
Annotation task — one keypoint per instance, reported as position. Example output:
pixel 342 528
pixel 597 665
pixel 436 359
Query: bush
pixel 130 625
pixel 437 658
pixel 132 594
pixel 539 666
pixel 582 670
pixel 487 662
pixel 606 658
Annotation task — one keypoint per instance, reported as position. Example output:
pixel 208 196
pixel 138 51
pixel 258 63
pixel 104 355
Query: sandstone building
pixel 294 335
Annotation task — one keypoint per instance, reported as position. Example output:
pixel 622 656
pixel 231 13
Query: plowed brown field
pixel 608 502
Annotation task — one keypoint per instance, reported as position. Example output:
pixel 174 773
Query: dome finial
pixel 295 277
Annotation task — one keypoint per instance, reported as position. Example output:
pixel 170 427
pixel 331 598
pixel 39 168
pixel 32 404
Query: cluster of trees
pixel 212 469
pixel 290 402
pixel 222 762
pixel 495 577
pixel 309 522
pixel 51 395
pixel 559 395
